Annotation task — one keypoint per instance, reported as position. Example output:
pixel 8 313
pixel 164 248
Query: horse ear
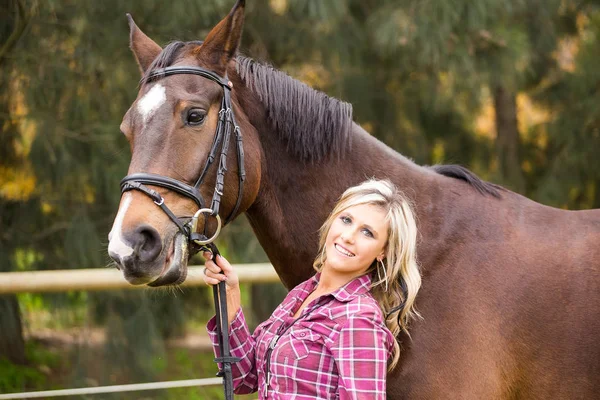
pixel 222 42
pixel 144 49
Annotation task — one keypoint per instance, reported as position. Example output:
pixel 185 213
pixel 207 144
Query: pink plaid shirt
pixel 336 349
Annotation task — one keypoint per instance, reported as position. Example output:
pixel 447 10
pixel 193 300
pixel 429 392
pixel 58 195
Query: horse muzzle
pixel 147 261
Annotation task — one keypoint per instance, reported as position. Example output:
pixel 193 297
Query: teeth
pixel 344 252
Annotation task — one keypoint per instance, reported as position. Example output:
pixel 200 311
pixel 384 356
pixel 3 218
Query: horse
pixel 511 288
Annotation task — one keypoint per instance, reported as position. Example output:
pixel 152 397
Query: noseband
pixel 225 125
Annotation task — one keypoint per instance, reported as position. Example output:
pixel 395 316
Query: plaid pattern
pixel 337 348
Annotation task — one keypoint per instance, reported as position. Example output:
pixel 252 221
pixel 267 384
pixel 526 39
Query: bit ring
pixel 195 226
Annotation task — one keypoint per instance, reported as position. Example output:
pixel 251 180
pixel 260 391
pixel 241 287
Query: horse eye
pixel 195 117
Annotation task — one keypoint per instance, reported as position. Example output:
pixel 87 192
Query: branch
pixel 23 19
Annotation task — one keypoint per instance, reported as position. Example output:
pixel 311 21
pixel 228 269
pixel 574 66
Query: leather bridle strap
pixel 155 196
pixel 138 181
pixel 223 132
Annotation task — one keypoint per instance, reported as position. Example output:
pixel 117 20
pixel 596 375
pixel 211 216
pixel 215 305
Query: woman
pixel 334 334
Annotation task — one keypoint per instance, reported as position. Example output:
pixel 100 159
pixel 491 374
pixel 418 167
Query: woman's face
pixel 358 235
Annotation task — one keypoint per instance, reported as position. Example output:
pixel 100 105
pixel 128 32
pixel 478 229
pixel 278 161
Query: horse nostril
pixel 148 244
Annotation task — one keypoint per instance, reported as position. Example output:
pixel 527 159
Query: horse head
pixel 176 127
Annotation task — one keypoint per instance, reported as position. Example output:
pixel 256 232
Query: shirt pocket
pixel 303 341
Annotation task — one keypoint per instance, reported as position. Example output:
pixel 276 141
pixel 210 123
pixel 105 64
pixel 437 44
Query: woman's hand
pixel 219 270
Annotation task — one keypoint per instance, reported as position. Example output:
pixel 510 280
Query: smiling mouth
pixel 343 251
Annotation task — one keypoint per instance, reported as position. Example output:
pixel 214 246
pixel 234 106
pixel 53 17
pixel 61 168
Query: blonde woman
pixel 333 336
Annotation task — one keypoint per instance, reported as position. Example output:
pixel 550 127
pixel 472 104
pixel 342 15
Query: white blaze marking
pixel 117 245
pixel 152 101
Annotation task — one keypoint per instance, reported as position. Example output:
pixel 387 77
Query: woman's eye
pixel 345 219
pixel 195 117
pixel 368 233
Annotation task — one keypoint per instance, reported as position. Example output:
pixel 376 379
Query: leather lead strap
pixel 225 359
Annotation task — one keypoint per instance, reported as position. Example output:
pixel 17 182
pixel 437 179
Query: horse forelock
pixel 167 57
pixel 312 124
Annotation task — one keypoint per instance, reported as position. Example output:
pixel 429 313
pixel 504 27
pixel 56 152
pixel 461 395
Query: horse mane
pixel 462 173
pixel 312 124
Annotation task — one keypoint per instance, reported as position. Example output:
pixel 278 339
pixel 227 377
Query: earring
pixel 385 277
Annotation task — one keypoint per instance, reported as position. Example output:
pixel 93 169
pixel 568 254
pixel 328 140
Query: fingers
pixel 224 264
pixel 210 276
pixel 218 270
pixel 218 264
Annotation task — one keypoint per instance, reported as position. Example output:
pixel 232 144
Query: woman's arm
pixel 243 346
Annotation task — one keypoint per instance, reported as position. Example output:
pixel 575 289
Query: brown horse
pixel 511 288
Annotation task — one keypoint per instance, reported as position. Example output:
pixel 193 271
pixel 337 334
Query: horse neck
pixel 295 196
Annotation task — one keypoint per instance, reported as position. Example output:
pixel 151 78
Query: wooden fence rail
pixel 107 279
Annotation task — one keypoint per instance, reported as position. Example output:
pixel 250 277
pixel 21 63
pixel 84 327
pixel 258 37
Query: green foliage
pixel 15 378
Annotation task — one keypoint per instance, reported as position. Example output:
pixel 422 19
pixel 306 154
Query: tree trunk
pixel 507 139
pixel 12 345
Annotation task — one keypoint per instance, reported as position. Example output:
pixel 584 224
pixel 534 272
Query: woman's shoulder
pixel 367 307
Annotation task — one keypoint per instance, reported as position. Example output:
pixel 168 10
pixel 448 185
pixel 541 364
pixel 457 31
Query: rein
pixel 138 181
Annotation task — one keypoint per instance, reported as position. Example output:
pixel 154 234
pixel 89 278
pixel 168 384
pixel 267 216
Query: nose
pixel 146 242
pixel 347 236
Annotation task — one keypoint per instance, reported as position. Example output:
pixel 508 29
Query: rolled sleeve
pixel 361 352
pixel 242 345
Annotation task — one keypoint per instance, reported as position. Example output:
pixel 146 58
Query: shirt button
pixel 303 334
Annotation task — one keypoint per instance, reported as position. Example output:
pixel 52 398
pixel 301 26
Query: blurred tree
pixel 568 167
pixel 419 72
pixel 67 78
pixel 11 337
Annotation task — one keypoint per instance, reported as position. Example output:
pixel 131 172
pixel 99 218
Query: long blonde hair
pixel 399 271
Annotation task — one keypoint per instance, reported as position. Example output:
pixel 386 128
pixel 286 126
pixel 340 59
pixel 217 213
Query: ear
pixel 144 49
pixel 383 253
pixel 222 42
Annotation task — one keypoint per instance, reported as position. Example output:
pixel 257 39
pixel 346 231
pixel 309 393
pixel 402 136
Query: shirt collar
pixel 349 291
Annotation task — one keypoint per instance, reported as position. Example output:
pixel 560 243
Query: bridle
pixel 225 124
pixel 138 181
